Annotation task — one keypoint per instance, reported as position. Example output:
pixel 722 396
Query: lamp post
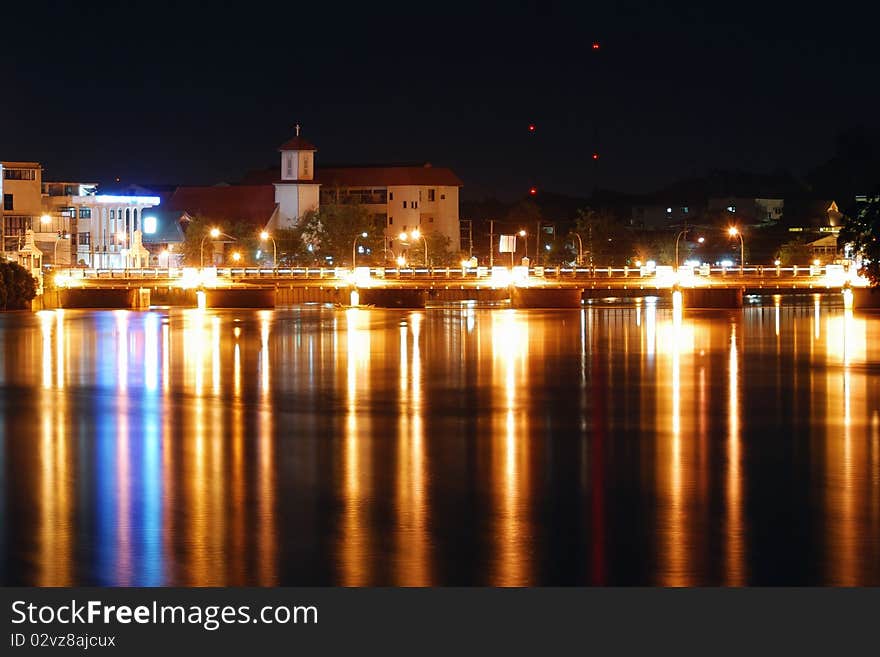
pixel 733 230
pixel 412 237
pixel 416 234
pixel 354 249
pixel 580 258
pixel 265 236
pixel 60 237
pixel 524 235
pixel 214 233
pixel 677 237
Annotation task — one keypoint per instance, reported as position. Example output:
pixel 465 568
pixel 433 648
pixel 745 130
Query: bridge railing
pixel 556 272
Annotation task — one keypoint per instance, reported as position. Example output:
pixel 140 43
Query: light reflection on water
pixel 620 444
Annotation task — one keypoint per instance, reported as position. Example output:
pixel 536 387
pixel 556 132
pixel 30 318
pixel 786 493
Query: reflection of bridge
pixel 405 287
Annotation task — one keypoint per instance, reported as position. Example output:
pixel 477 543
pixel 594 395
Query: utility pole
pixel 538 245
pixel 491 243
pixel 467 225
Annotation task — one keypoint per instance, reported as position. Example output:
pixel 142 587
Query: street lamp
pixel 580 258
pixel 45 220
pixel 354 249
pixel 734 231
pixel 265 236
pixel 522 233
pixel 677 237
pixel 413 236
pixel 214 233
pixel 61 236
pixel 236 256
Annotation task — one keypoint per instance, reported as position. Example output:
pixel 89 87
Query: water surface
pixel 623 444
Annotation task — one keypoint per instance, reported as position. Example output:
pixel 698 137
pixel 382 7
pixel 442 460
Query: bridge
pixel 705 287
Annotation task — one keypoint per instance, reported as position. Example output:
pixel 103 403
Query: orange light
pixel 522 233
pixel 533 190
pixel 733 231
pixel 595 45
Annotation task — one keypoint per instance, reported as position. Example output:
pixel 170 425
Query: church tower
pixel 297 191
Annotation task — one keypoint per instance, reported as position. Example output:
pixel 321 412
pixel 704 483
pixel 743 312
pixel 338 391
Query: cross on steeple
pixel 296 127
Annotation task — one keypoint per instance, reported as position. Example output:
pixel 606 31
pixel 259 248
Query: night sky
pixel 164 93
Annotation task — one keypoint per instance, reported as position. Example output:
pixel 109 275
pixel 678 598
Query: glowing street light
pixel 236 256
pixel 354 248
pixel 414 235
pixel 265 236
pixel 214 233
pixel 733 231
pixel 401 261
pixel 45 220
pixel 677 237
pixel 522 233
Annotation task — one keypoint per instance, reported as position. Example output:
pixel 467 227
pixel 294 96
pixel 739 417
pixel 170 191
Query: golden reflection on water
pixel 735 541
pixel 354 541
pixel 267 544
pixel 411 537
pixel 54 495
pixel 203 394
pixel 510 474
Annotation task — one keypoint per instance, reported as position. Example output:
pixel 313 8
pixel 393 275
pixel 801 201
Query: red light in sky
pixel 595 156
pixel 531 127
pixel 595 45
pixel 533 190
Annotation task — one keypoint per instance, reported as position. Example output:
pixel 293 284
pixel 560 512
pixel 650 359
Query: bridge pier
pixel 545 297
pixel 136 298
pixel 712 297
pixel 239 297
pixel 865 298
pixel 390 297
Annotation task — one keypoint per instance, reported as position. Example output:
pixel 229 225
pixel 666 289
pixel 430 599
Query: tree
pixel 860 233
pixel 332 229
pixel 17 286
pixel 605 241
pixel 794 252
pixel 244 239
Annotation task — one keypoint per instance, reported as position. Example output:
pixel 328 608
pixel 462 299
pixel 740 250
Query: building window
pixel 85 239
pixel 431 195
pixel 390 220
pixel 112 213
pixel 415 204
pixel 305 167
pixel 19 174
pixel 442 197
pixel 85 213
pixel 685 209
pixel 390 196
pixel 289 165
pixel 7 202
pixel 404 204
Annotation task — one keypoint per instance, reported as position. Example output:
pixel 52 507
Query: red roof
pixel 252 204
pixel 297 144
pixel 367 176
pixel 387 176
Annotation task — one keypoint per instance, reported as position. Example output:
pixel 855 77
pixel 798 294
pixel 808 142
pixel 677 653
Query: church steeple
pixel 297 191
pixel 297 158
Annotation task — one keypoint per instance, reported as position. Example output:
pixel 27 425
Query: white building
pixel 105 230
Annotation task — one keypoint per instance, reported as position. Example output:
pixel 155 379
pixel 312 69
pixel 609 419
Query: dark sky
pixel 200 93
